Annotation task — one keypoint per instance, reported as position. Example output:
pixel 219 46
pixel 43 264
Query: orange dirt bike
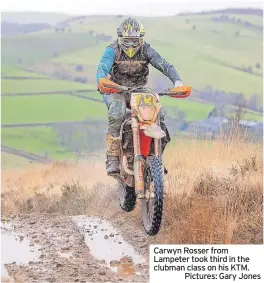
pixel 141 168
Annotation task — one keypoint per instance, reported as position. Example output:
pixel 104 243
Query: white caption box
pixel 206 263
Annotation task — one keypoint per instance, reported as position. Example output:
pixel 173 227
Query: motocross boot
pixel 112 155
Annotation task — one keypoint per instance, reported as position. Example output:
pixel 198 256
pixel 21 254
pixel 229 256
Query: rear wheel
pixel 152 205
pixel 127 197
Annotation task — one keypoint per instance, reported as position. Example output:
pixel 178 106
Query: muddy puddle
pixel 16 248
pixel 108 246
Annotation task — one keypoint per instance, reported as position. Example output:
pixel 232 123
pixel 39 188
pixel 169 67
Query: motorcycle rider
pixel 125 62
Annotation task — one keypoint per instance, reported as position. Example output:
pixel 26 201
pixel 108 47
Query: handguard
pixel 107 86
pixel 180 92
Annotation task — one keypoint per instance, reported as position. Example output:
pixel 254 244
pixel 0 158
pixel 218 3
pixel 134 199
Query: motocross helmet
pixel 130 36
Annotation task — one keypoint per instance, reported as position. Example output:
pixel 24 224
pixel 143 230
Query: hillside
pixel 50 79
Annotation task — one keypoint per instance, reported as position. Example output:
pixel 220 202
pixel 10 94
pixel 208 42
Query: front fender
pixel 154 131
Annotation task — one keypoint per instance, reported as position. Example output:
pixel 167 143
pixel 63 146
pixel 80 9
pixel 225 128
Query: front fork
pixel 139 159
pixel 157 145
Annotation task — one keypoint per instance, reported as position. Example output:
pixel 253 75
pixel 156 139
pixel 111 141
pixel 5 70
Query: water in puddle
pixel 65 255
pixel 108 246
pixel 125 269
pixel 15 248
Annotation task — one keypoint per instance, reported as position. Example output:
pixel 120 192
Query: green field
pixel 49 108
pixel 205 56
pixel 42 141
pixel 35 86
pixel 41 46
pixel 11 71
pixel 205 52
pixel 10 160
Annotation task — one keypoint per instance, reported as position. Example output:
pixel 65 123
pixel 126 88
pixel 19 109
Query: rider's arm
pixel 105 64
pixel 161 64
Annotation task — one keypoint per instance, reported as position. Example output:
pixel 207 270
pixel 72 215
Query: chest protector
pixel 130 72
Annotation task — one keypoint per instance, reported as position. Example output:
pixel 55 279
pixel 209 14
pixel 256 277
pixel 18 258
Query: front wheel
pixel 152 205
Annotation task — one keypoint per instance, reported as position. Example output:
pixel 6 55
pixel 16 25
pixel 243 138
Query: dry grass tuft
pixel 215 195
pixel 214 192
pixel 63 187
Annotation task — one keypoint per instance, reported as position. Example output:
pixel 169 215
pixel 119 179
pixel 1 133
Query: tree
pixel 253 102
pixel 79 68
pixel 250 69
pixel 240 110
pixel 258 66
pixel 19 60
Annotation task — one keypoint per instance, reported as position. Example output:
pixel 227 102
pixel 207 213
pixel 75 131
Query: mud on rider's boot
pixel 112 155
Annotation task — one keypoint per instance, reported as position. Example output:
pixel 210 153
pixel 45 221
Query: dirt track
pixel 34 208
pixel 45 200
pixel 65 257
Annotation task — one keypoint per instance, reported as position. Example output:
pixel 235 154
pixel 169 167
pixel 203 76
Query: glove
pixel 178 83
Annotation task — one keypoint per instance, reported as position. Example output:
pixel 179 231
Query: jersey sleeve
pixel 161 64
pixel 106 63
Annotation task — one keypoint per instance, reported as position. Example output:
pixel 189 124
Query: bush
pixel 79 68
pixel 250 69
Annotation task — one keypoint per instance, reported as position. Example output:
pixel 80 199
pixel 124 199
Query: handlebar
pixel 108 86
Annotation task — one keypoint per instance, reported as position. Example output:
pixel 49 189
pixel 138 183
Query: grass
pixel 13 161
pixel 11 71
pixel 253 116
pixel 193 110
pixel 189 60
pixel 41 46
pixel 49 108
pixel 205 56
pixel 91 54
pixel 41 140
pixel 35 86
pixel 214 193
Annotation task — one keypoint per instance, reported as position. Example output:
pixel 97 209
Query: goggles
pixel 128 42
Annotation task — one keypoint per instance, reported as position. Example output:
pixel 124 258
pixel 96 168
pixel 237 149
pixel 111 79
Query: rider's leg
pixel 116 110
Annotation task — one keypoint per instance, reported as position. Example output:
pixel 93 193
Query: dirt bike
pixel 141 167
